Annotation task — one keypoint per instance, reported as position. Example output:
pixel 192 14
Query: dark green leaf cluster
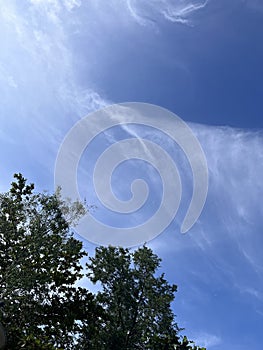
pixel 40 263
pixel 137 302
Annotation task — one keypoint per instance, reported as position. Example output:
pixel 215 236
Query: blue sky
pixel 60 60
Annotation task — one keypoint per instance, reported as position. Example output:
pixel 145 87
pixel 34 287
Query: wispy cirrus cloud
pixel 218 264
pixel 175 11
pixel 207 340
pixel 40 92
pixel 38 40
pixel 228 232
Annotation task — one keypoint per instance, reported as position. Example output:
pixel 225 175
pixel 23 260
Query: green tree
pixel 137 302
pixel 39 265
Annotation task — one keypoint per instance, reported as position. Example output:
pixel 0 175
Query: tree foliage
pixel 40 263
pixel 137 301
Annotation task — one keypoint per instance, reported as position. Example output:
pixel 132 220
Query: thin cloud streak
pixel 181 12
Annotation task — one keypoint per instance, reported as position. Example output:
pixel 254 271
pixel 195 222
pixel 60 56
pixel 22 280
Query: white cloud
pixel 133 12
pixel 40 92
pixel 228 234
pixel 71 4
pixel 175 11
pixel 11 82
pixel 207 340
pixel 40 58
pixel 184 11
pixel 254 292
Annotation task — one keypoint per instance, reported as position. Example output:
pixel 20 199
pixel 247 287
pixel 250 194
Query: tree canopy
pixel 40 263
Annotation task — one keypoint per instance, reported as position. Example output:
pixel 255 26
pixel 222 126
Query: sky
pixel 63 59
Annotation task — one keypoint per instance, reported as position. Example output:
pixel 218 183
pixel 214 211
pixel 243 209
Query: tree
pixel 137 303
pixel 39 265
